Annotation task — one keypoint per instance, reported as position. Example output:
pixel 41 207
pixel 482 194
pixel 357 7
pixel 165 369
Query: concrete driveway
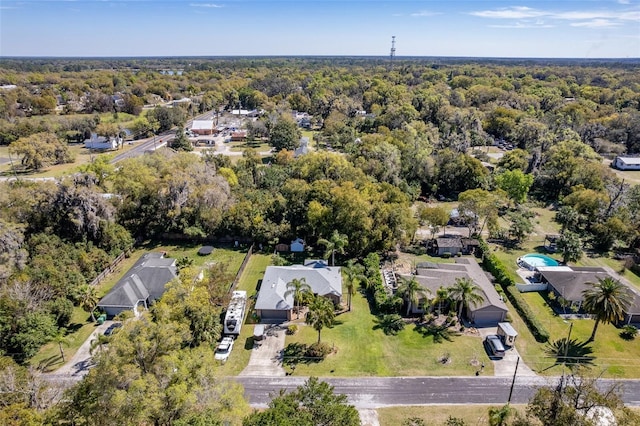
pixel 266 359
pixel 506 366
pixel 80 363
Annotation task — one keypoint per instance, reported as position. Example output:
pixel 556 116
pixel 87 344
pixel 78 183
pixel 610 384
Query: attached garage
pixel 488 315
pixel 268 315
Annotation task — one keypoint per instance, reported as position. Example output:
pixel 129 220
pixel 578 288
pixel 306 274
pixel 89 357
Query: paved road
pixel 376 392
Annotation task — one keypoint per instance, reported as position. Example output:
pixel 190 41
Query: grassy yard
pixel 438 414
pixel 407 354
pixel 609 353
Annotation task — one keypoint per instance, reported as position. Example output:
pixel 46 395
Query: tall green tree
pixel 297 287
pixel 570 246
pixel 412 292
pixel 336 243
pixel 515 183
pixel 285 134
pixel 442 297
pixel 354 276
pixel 466 293
pixel 311 404
pixel 87 298
pixel 61 338
pixel 607 300
pixel 321 314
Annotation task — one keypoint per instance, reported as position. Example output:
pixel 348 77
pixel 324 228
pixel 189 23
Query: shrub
pixel 446 255
pixel 537 329
pixel 292 329
pixel 629 332
pixel 318 350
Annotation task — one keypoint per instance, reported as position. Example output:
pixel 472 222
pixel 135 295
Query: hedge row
pixel 492 264
pixel 537 329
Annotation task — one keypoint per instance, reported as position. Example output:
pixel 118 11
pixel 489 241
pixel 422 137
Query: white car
pixel 224 349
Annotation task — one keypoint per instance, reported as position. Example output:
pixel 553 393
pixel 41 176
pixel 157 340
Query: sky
pixel 503 28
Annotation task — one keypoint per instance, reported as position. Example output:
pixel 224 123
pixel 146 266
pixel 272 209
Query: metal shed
pixel 507 333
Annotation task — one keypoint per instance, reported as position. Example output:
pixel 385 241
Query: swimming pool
pixel 534 260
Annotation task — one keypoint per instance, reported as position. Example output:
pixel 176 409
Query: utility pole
pixel 513 382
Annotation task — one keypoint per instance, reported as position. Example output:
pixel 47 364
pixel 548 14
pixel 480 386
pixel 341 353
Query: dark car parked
pixel 495 346
pixel 112 328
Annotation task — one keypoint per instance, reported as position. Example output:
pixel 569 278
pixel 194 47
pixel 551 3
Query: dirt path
pixel 80 363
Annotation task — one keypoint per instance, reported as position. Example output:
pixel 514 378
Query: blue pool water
pixel 534 260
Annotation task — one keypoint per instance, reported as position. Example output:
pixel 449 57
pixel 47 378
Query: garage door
pixel 271 315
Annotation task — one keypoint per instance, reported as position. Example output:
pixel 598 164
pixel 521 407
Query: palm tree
pixel 98 343
pixel 61 338
pixel 297 288
pixel 354 275
pixel 442 296
pixel 411 291
pixel 466 293
pixel 498 415
pixel 87 298
pixel 321 314
pixel 607 300
pixel 336 243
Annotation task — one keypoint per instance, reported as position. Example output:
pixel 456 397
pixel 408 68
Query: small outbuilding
pixel 507 333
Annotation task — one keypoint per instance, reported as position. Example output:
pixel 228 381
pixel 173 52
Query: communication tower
pixel 393 48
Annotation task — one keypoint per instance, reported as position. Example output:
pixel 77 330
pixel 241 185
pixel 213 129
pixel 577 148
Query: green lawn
pixel 259 146
pixel 438 414
pixel 363 351
pixel 611 355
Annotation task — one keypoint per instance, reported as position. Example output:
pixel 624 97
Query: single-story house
pixel 297 245
pixel 239 136
pixel 453 245
pixel 273 305
pixel 202 127
pixel 490 312
pixel 626 163
pixel 142 285
pixel 103 142
pixel 569 283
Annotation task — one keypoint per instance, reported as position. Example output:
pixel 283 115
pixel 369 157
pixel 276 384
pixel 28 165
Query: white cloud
pixel 520 12
pixel 424 13
pixel 209 5
pixel 523 25
pixel 516 12
pixel 624 1
pixel 596 23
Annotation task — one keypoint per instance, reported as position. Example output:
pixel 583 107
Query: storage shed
pixel 507 333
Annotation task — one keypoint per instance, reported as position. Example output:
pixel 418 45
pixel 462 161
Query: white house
pixel 103 142
pixel 626 163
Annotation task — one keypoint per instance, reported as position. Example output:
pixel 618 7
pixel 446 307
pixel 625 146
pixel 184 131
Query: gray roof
pixel 145 281
pixel 449 242
pixel 445 275
pixel 570 284
pixel 322 279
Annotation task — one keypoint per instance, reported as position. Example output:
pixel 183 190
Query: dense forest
pixel 393 136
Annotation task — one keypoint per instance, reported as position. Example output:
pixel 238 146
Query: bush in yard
pixel 629 332
pixel 318 350
pixel 537 329
pixel 292 329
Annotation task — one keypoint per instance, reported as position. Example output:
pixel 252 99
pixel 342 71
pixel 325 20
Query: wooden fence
pixel 242 266
pixel 109 269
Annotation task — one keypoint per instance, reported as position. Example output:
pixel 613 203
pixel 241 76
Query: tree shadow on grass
pixel 440 332
pixel 577 353
pixel 47 364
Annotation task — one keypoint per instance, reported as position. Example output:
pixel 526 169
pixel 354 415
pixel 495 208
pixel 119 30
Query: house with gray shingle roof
pixel 491 311
pixel 273 305
pixel 141 286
